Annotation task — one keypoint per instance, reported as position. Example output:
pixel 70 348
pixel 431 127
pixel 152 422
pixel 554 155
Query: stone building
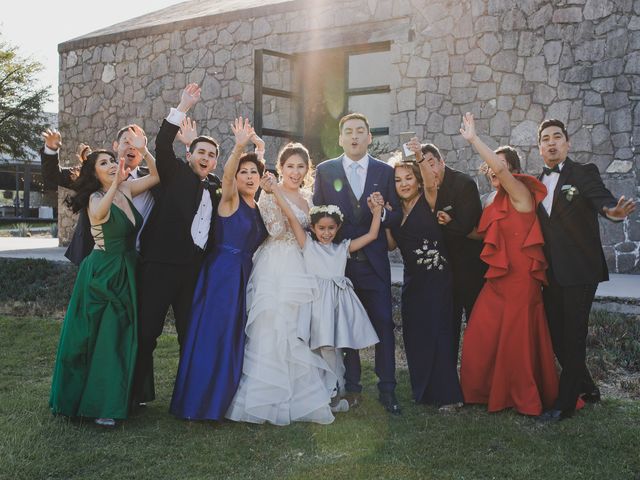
pixel 294 67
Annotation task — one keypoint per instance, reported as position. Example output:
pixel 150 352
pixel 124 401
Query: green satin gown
pixel 96 356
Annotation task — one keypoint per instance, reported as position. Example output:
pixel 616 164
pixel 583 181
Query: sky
pixel 37 27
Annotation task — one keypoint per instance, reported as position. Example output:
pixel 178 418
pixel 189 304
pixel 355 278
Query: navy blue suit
pixel 369 268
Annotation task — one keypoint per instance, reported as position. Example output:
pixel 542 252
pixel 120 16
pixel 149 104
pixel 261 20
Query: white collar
pixel 363 162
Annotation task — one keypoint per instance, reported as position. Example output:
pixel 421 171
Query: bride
pixel 282 379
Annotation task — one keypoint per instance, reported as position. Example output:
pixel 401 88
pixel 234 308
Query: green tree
pixel 21 103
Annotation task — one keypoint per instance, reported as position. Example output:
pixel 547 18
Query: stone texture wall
pixel 510 62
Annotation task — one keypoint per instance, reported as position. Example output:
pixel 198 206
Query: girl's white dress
pixel 282 379
pixel 338 318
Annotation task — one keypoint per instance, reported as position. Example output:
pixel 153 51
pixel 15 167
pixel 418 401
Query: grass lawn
pixel 603 441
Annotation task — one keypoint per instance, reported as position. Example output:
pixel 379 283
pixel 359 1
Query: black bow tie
pixel 206 183
pixel 548 171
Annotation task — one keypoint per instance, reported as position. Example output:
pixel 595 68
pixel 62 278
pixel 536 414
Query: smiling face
pixel 325 229
pixel 495 183
pixel 553 145
pixel 355 138
pixel 124 149
pixel 106 168
pixel 203 159
pixel 247 179
pixel 407 183
pixel 293 171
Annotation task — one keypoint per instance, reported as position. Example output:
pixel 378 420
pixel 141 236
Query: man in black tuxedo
pixel 458 209
pixel 569 220
pixel 82 240
pixel 174 241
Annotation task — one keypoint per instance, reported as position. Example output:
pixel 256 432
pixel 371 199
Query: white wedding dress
pixel 283 381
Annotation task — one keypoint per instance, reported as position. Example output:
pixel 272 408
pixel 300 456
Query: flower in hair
pixel 329 209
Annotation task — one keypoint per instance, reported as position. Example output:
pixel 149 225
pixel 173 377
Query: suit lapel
pixel 372 182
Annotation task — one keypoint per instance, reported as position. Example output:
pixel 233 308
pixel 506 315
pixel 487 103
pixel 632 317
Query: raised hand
pixel 416 147
pixel 188 131
pixel 468 130
pixel 258 142
pixel 82 152
pixel 190 96
pixel 268 182
pixel 623 209
pixel 242 130
pixel 52 138
pixel 137 139
pixel 122 173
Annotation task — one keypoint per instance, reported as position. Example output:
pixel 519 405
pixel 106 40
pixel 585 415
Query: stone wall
pixel 510 62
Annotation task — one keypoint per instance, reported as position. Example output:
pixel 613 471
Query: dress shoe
pixel 592 397
pixel 390 402
pixel 105 422
pixel 339 405
pixel 550 416
pixel 353 398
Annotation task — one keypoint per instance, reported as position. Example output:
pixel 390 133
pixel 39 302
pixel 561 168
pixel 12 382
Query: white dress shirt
pixel 362 172
pixel 550 181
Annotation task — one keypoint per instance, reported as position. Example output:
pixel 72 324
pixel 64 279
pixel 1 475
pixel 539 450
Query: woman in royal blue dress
pixel 211 361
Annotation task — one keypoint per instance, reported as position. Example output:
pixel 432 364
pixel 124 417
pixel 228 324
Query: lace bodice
pixel 276 222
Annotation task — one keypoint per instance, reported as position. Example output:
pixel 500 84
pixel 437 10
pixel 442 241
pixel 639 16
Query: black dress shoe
pixel 390 402
pixel 592 397
pixel 550 416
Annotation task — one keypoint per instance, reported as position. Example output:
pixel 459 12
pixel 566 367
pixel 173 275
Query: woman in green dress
pixel 98 343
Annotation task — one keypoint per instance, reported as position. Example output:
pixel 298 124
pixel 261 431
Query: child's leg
pixel 333 357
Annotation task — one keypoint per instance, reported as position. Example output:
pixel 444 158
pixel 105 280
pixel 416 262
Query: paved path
pixel 621 293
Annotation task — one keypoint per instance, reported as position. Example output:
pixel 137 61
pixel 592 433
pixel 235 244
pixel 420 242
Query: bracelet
pixel 420 161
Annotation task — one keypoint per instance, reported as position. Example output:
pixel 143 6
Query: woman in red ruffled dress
pixel 507 355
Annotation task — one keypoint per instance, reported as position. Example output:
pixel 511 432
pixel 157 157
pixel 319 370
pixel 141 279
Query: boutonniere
pixel 569 191
pixel 219 192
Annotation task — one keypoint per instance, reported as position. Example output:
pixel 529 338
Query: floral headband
pixel 329 209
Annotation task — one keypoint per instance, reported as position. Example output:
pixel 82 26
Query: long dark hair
pixel 87 182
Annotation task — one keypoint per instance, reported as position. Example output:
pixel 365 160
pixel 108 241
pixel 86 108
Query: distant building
pixel 22 189
pixel 294 67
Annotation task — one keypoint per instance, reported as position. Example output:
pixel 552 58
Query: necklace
pixel 407 205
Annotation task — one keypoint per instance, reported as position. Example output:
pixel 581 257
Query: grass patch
pixel 602 441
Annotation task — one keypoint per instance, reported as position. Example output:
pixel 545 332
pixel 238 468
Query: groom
pixel 347 181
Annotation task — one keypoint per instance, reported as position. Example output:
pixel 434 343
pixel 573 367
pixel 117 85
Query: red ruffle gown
pixel 507 355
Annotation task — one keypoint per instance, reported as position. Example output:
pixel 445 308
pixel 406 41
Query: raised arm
pixel 167 162
pixel 99 205
pixel 140 185
pixel 429 183
pixel 270 184
pixel 51 171
pixel 229 200
pixel 519 194
pixel 372 234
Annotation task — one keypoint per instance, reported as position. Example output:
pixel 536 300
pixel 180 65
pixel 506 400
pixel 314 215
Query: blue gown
pixel 211 362
pixel 427 308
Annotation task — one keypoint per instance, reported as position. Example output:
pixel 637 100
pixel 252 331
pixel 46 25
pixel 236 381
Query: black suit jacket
pixel 82 241
pixel 458 196
pixel 166 237
pixel 571 233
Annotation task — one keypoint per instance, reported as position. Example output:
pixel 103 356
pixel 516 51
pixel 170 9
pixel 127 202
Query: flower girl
pixel 338 319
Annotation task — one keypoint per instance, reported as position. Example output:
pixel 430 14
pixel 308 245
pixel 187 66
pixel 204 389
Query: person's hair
pixel 353 116
pixel 251 157
pixel 319 212
pixel 205 139
pixel 432 149
pixel 126 128
pixel 87 182
pixel 511 156
pixel 294 148
pixel 396 162
pixel 552 122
